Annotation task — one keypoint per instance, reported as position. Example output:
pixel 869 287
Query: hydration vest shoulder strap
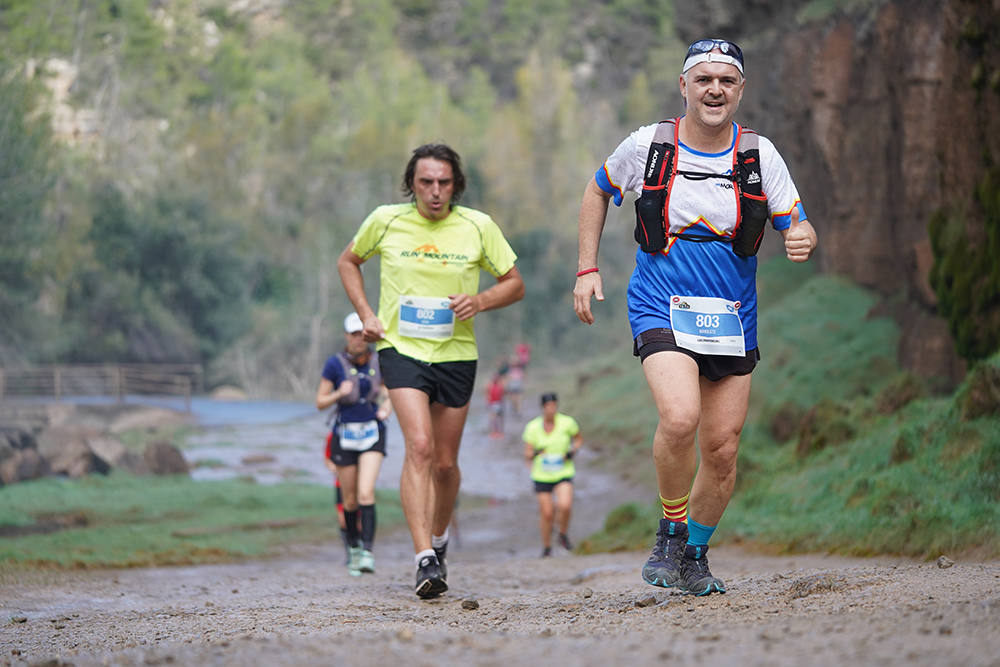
pixel 661 162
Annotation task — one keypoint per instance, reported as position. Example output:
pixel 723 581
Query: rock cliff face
pixel 884 115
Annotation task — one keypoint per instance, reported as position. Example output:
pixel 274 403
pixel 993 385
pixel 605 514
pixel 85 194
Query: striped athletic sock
pixel 698 534
pixel 675 510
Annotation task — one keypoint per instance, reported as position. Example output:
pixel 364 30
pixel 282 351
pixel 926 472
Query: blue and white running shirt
pixel 698 207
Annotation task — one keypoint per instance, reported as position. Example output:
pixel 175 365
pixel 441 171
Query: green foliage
pixel 167 277
pixel 24 185
pixel 965 274
pixel 127 521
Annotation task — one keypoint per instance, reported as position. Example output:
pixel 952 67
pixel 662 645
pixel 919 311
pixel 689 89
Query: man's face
pixel 550 408
pixel 355 343
pixel 433 185
pixel 713 92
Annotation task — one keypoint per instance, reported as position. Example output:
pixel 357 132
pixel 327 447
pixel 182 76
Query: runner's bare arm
pixel 508 289
pixel 529 452
pixel 593 213
pixel 326 395
pixel 800 238
pixel 384 404
pixel 349 268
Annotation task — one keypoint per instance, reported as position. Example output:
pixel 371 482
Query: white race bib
pixel 357 436
pixel 426 317
pixel 707 325
pixel 552 462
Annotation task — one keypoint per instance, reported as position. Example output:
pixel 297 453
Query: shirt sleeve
pixel 366 240
pixel 526 434
pixel 498 257
pixel 622 171
pixel 777 184
pixel 572 428
pixel 333 372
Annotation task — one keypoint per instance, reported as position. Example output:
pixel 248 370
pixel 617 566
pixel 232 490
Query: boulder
pixel 165 459
pixel 146 417
pixel 68 453
pixel 228 393
pixel 22 465
pixel 115 454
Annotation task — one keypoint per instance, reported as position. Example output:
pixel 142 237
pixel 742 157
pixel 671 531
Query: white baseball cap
pixel 353 323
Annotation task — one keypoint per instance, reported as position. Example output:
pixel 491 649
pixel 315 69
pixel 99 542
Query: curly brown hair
pixel 441 152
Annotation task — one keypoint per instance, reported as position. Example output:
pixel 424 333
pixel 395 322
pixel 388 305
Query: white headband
pixel 711 57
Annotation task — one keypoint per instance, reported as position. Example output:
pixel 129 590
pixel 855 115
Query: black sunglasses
pixel 707 45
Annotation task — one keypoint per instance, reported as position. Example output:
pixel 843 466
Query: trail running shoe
pixel 564 542
pixel 441 552
pixel 366 561
pixel 430 583
pixel 546 552
pixel 663 566
pixel 354 562
pixel 695 576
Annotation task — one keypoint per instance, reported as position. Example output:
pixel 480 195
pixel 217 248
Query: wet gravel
pixel 506 605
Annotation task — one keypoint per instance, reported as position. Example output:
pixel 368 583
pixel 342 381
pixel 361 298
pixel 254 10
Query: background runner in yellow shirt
pixel 432 252
pixel 550 442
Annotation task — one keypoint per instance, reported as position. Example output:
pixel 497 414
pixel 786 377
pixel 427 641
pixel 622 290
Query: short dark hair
pixel 441 152
pixel 549 396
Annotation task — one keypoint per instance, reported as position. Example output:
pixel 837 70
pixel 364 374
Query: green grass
pixel 842 450
pixel 127 521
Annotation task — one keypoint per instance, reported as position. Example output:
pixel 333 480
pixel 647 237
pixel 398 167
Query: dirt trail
pixel 303 608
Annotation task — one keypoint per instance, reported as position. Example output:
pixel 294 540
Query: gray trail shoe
pixel 663 566
pixel 430 583
pixel 696 578
pixel 441 552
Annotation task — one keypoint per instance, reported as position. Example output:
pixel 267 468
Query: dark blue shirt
pixel 364 410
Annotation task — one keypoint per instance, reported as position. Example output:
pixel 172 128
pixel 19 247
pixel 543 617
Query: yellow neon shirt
pixel 551 465
pixel 431 258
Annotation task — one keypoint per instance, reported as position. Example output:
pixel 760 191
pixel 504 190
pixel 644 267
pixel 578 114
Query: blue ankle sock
pixel 698 535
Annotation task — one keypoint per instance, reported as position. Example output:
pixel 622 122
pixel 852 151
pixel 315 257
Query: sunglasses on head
pixel 707 45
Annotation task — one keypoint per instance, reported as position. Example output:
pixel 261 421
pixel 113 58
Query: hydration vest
pixel 652 207
pixel 351 373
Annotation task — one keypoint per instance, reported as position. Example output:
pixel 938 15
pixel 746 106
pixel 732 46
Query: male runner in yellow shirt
pixel 432 252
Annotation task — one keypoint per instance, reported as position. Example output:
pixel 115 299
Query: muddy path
pixel 506 605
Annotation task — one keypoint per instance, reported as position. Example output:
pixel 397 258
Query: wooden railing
pixel 117 380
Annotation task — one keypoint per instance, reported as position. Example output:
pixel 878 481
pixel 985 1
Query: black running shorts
pixel 349 457
pixel 546 487
pixel 450 382
pixel 712 366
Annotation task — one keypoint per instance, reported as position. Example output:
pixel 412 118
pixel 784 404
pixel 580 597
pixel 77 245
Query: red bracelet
pixel 586 271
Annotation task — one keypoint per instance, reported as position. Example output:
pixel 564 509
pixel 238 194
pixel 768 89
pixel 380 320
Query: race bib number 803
pixel 707 325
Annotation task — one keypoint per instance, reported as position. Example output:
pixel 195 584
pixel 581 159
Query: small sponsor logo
pixel 430 251
pixel 684 305
pixel 753 178
pixel 653 161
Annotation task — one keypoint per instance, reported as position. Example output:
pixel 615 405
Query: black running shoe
pixel 430 582
pixel 564 542
pixel 546 552
pixel 663 566
pixel 695 577
pixel 441 552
